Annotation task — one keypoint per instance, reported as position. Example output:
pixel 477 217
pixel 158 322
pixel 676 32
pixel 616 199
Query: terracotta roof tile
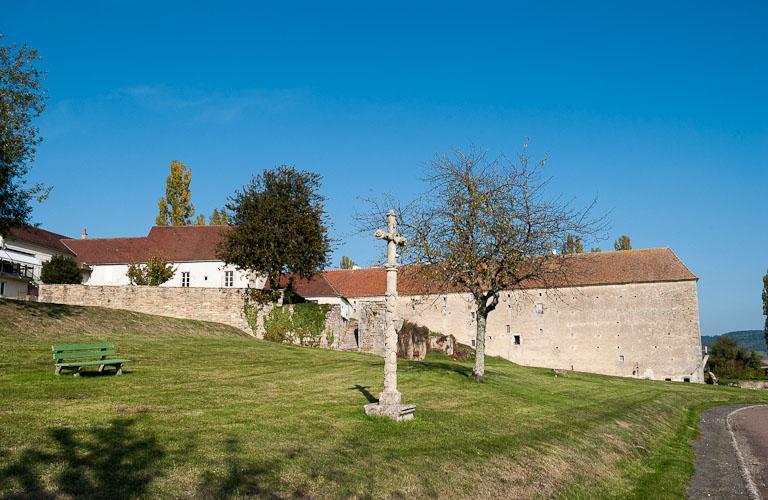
pixel 316 286
pixel 199 243
pixel 174 243
pixel 602 268
pixel 40 237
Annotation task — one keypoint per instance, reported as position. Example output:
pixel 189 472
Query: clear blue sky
pixel 660 110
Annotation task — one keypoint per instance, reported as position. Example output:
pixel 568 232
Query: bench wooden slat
pixel 77 356
pixel 95 363
pixel 80 347
pixel 82 354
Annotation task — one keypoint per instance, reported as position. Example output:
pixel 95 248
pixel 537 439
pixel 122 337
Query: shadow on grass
pixel 241 478
pixel 365 392
pixel 43 309
pixel 434 366
pixel 118 461
pixel 111 461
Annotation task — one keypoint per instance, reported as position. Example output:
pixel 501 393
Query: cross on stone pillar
pixel 389 404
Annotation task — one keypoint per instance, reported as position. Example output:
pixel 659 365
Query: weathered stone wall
pixel 371 328
pixel 221 305
pixel 646 330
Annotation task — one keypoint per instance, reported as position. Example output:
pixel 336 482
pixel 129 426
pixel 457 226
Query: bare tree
pixel 486 226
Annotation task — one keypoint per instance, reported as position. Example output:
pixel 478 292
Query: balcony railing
pixel 17 270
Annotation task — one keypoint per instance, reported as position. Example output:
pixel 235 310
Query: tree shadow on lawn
pixel 44 309
pixel 117 461
pixel 242 478
pixel 434 366
pixel 112 461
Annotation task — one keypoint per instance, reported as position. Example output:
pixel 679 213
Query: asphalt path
pixel 750 428
pixel 731 454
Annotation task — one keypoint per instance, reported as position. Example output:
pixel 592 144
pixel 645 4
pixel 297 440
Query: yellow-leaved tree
pixel 176 208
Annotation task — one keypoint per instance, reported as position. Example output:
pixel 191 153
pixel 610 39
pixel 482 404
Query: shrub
pixel 154 273
pixel 302 323
pixel 61 270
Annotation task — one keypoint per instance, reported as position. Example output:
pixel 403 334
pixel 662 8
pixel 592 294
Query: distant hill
pixel 754 340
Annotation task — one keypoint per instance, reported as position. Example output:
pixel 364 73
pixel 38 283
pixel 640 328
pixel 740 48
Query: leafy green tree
pixel 765 306
pixel 219 217
pixel 154 273
pixel 61 270
pixel 347 263
pixel 176 208
pixel 22 99
pixel 623 243
pixel 279 225
pixel 595 250
pixel 729 359
pixel 572 245
pixel 200 220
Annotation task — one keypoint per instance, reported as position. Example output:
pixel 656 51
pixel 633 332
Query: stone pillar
pixel 389 404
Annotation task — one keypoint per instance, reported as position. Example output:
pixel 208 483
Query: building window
pixel 686 379
pixel 621 358
pixel 2 288
pixel 229 278
pixel 472 315
pixel 518 340
pixel 472 342
pixel 539 308
pixel 490 338
pixel 185 279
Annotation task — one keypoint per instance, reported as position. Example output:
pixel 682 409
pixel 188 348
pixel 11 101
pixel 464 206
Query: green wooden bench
pixel 76 356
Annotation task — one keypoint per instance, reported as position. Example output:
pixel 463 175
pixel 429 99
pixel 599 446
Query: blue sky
pixel 658 109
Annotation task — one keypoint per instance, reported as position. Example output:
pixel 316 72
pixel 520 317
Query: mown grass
pixel 204 411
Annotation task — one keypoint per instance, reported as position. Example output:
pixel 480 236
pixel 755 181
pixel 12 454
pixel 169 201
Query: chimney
pixel 84 236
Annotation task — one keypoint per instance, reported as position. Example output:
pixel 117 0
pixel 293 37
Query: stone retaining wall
pixel 220 305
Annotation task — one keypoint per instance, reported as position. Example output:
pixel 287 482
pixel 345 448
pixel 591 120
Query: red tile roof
pixel 316 286
pixel 602 268
pixel 199 243
pixel 174 243
pixel 39 237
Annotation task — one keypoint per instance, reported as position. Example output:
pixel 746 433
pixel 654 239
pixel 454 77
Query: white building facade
pixel 191 250
pixel 22 255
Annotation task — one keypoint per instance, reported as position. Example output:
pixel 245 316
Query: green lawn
pixel 204 411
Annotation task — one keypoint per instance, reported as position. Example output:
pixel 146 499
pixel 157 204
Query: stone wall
pixel 371 328
pixel 220 305
pixel 642 330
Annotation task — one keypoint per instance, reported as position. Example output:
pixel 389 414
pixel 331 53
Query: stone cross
pixel 389 404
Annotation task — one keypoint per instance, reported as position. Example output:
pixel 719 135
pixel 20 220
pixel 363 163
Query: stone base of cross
pixel 389 404
pixel 396 412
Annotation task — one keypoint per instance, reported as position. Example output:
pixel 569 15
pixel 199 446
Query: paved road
pixel 728 470
pixel 750 427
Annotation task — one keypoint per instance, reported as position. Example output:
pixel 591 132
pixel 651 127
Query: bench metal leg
pixel 119 369
pixel 77 372
pixel 101 368
pixel 58 371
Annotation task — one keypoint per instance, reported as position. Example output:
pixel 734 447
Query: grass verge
pixel 204 411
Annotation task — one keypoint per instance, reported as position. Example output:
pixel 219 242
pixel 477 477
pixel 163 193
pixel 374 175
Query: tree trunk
pixel 478 373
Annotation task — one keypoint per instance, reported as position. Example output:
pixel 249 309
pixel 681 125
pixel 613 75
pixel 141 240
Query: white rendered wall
pixel 14 289
pixel 206 274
